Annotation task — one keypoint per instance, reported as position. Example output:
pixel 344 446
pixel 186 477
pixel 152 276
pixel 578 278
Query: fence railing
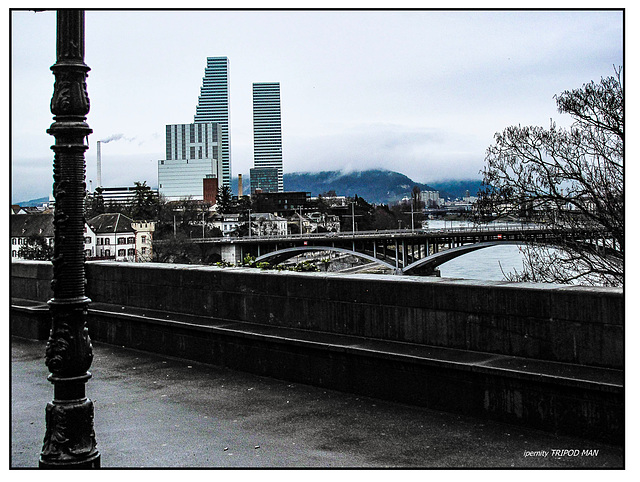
pixel 476 229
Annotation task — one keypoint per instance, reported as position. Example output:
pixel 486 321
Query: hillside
pixel 375 186
pixel 33 202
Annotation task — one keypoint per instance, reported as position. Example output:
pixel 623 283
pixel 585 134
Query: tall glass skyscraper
pixel 213 106
pixel 267 128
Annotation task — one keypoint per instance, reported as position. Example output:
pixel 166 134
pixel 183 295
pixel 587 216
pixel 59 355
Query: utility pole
pixel 301 223
pixel 69 440
pixel 353 218
pixel 412 213
pixel 412 223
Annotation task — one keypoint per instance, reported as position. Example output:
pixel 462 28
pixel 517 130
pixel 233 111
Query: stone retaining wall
pixel 578 325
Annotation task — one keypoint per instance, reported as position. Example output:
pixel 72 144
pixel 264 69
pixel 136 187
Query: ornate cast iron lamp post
pixel 69 440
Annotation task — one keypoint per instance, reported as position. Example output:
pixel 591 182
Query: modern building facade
pixel 213 106
pixel 192 154
pixel 282 203
pixel 264 179
pixel 267 128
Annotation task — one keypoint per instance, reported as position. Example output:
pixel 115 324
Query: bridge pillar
pixel 397 258
pixel 404 253
pixel 231 253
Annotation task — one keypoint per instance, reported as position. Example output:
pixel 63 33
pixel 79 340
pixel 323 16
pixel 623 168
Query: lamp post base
pixel 92 463
pixel 70 440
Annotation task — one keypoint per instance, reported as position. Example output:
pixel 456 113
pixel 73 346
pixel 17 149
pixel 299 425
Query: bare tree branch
pixel 570 179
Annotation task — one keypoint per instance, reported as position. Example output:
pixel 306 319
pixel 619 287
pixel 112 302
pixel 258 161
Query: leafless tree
pixel 570 178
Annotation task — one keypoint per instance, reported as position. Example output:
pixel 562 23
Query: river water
pixel 483 264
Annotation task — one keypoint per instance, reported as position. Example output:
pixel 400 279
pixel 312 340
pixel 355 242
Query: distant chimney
pixel 99 175
pixel 239 185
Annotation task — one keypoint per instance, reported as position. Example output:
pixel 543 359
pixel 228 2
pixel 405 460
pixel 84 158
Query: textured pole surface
pixel 69 440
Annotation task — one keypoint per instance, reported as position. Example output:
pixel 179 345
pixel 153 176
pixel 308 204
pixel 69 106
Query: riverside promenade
pixel 153 411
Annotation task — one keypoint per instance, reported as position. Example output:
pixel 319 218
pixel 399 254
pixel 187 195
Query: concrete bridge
pixel 425 265
pixel 405 252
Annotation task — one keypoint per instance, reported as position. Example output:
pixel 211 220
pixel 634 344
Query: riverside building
pixel 213 106
pixel 267 129
pixel 192 155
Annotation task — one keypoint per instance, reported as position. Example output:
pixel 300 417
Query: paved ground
pixel 153 411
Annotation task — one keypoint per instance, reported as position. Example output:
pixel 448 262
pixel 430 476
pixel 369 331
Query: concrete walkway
pixel 158 412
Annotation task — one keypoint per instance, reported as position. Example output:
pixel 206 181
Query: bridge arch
pixel 429 263
pixel 284 254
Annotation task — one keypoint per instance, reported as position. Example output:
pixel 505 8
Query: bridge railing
pixel 476 228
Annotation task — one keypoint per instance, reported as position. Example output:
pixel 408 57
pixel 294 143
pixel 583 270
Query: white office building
pixel 267 128
pixel 213 106
pixel 192 154
pixel 431 198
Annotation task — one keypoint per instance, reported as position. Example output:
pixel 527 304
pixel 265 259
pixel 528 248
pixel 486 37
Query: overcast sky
pixel 418 92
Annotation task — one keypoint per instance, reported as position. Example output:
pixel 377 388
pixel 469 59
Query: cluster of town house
pixel 106 236
pixel 114 236
pixel 270 224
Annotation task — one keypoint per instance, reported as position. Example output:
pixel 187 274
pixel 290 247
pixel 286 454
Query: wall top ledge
pixel 604 290
pixel 30 262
